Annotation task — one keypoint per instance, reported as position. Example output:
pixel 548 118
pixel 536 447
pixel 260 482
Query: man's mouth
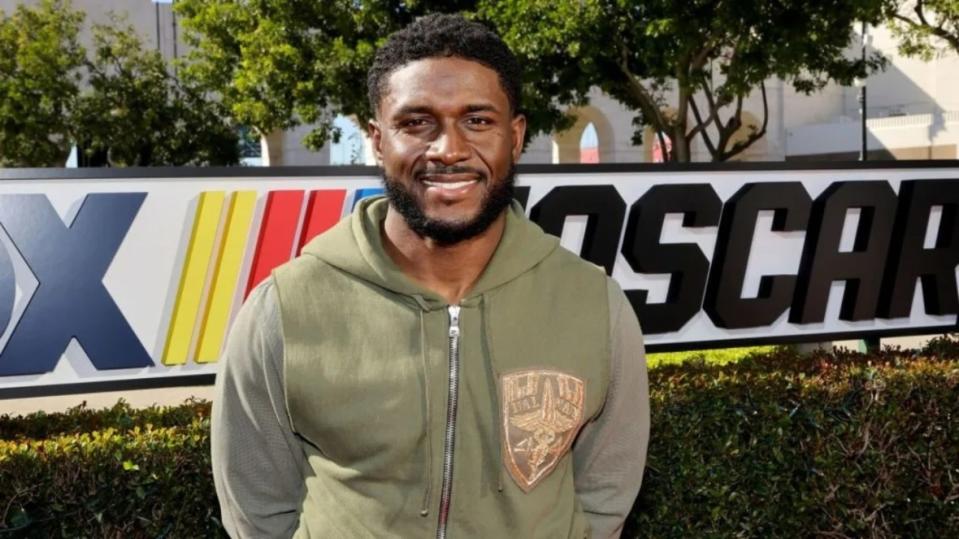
pixel 449 186
pixel 451 179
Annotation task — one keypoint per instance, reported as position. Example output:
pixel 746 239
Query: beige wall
pixel 917 152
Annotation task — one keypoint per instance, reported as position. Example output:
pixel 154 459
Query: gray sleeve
pixel 257 461
pixel 610 453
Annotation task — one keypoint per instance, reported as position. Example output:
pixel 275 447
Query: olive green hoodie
pixel 420 419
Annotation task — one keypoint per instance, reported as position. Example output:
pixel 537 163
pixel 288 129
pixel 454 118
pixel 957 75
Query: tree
pixel 40 69
pixel 923 25
pixel 277 64
pixel 120 106
pixel 708 55
pixel 135 113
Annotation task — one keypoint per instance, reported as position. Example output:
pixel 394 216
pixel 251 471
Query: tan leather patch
pixel 542 411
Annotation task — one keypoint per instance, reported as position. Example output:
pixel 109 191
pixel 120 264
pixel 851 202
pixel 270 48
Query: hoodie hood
pixel 355 246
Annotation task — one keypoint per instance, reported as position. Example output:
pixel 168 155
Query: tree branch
pixel 740 146
pixel 699 60
pixel 646 102
pixel 713 109
pixel 924 24
pixel 920 13
pixel 727 131
pixel 701 128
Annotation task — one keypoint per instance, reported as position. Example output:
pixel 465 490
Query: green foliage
pixel 280 63
pixel 40 68
pixel 719 356
pixel 771 445
pixel 925 28
pixel 136 114
pixel 114 481
pixel 707 54
pixel 942 346
pixel 780 445
pixel 121 417
pixel 121 106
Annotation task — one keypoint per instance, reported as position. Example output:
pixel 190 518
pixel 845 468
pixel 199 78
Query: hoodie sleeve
pixel 609 455
pixel 256 458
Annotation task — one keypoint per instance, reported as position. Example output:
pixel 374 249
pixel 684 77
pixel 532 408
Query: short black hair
pixel 444 35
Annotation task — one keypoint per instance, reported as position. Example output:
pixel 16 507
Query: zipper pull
pixel 454 320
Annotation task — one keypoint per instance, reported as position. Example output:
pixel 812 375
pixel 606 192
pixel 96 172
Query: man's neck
pixel 449 270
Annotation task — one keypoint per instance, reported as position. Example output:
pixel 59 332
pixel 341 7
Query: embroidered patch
pixel 542 411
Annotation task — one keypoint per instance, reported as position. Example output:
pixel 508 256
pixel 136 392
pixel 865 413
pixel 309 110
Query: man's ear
pixel 376 136
pixel 518 127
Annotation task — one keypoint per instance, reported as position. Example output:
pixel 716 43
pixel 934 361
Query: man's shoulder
pixel 580 268
pixel 299 269
pixel 567 260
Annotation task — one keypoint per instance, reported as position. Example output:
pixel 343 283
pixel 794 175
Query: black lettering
pixel 685 262
pixel 724 302
pixel 604 208
pixel 822 262
pixel 908 260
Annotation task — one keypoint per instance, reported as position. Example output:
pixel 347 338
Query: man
pixel 435 365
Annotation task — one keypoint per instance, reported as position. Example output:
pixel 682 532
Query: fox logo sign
pixel 146 278
pixel 70 301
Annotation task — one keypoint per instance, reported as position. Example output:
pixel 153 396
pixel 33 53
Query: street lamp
pixel 870 344
pixel 861 83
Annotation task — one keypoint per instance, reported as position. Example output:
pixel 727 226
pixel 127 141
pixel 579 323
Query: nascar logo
pixel 70 261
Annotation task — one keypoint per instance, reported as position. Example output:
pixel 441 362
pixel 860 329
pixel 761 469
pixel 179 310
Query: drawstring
pixel 425 509
pixel 498 399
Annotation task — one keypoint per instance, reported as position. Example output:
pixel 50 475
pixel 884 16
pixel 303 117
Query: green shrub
pixel 717 356
pixel 779 445
pixel 125 480
pixel 121 417
pixel 774 445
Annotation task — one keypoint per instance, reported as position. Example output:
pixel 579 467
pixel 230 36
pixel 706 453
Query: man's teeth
pixel 449 185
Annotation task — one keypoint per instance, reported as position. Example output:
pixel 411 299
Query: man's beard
pixel 450 233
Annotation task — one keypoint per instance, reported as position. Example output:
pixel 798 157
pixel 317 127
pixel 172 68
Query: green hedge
pixel 109 473
pixel 120 417
pixel 778 445
pixel 774 445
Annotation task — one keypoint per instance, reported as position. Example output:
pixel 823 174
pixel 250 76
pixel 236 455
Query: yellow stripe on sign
pixel 192 280
pixel 225 276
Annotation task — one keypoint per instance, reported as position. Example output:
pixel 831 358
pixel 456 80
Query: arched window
pixel 349 149
pixel 251 148
pixel 589 140
pixel 589 145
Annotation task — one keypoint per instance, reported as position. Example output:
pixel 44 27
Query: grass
pixel 720 356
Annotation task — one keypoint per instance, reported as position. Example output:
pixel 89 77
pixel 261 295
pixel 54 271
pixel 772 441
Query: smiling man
pixel 434 365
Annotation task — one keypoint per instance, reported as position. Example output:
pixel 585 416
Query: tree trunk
pixel 680 152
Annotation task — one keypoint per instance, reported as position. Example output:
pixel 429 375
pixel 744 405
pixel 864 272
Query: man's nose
pixel 449 147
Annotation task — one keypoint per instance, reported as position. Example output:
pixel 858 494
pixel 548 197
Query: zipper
pixel 454 362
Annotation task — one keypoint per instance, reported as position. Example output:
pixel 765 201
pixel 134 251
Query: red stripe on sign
pixel 275 244
pixel 322 212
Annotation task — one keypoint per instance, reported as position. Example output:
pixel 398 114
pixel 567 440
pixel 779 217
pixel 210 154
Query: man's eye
pixel 479 120
pixel 413 122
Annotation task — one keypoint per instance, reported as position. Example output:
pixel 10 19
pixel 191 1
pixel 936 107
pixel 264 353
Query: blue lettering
pixel 70 300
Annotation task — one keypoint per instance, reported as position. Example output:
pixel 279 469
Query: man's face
pixel 447 139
